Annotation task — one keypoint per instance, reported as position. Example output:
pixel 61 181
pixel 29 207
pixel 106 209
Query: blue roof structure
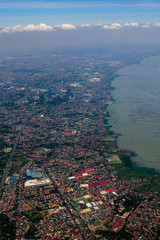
pixel 34 173
pixel 13 179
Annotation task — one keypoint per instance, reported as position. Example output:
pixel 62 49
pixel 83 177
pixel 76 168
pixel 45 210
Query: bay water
pixel 135 113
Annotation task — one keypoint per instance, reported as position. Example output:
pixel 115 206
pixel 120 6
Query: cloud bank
pixel 66 26
pixel 28 28
pixel 157 24
pixel 113 26
pixel 134 24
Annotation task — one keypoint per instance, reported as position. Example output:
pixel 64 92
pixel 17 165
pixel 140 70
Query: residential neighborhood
pixel 62 174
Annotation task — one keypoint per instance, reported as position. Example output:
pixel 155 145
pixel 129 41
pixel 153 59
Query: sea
pixel 135 112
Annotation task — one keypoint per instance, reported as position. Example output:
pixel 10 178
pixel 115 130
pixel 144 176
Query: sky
pixel 51 12
pixel 27 24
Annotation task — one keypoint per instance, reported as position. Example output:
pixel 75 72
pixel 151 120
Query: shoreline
pixel 129 163
pixel 126 169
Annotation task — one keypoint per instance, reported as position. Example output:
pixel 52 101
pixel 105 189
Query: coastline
pixel 128 169
pixel 131 153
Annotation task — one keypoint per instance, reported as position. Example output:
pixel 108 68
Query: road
pixel 9 163
pixel 64 203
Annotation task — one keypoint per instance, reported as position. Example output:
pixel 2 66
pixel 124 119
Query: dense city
pixel 62 173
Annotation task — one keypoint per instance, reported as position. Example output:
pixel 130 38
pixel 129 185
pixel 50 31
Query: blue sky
pixel 78 12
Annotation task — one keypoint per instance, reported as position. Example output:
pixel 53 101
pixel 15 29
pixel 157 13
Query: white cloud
pixel 67 26
pixel 16 28
pixel 40 27
pixel 145 26
pixel 28 28
pixel 113 26
pixel 157 24
pixel 133 24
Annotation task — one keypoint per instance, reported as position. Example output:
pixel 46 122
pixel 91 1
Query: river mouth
pixel 135 113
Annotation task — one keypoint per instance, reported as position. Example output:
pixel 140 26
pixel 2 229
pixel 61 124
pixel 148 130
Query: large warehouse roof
pixel 36 182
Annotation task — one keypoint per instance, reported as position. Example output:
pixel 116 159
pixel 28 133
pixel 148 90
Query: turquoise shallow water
pixel 135 114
